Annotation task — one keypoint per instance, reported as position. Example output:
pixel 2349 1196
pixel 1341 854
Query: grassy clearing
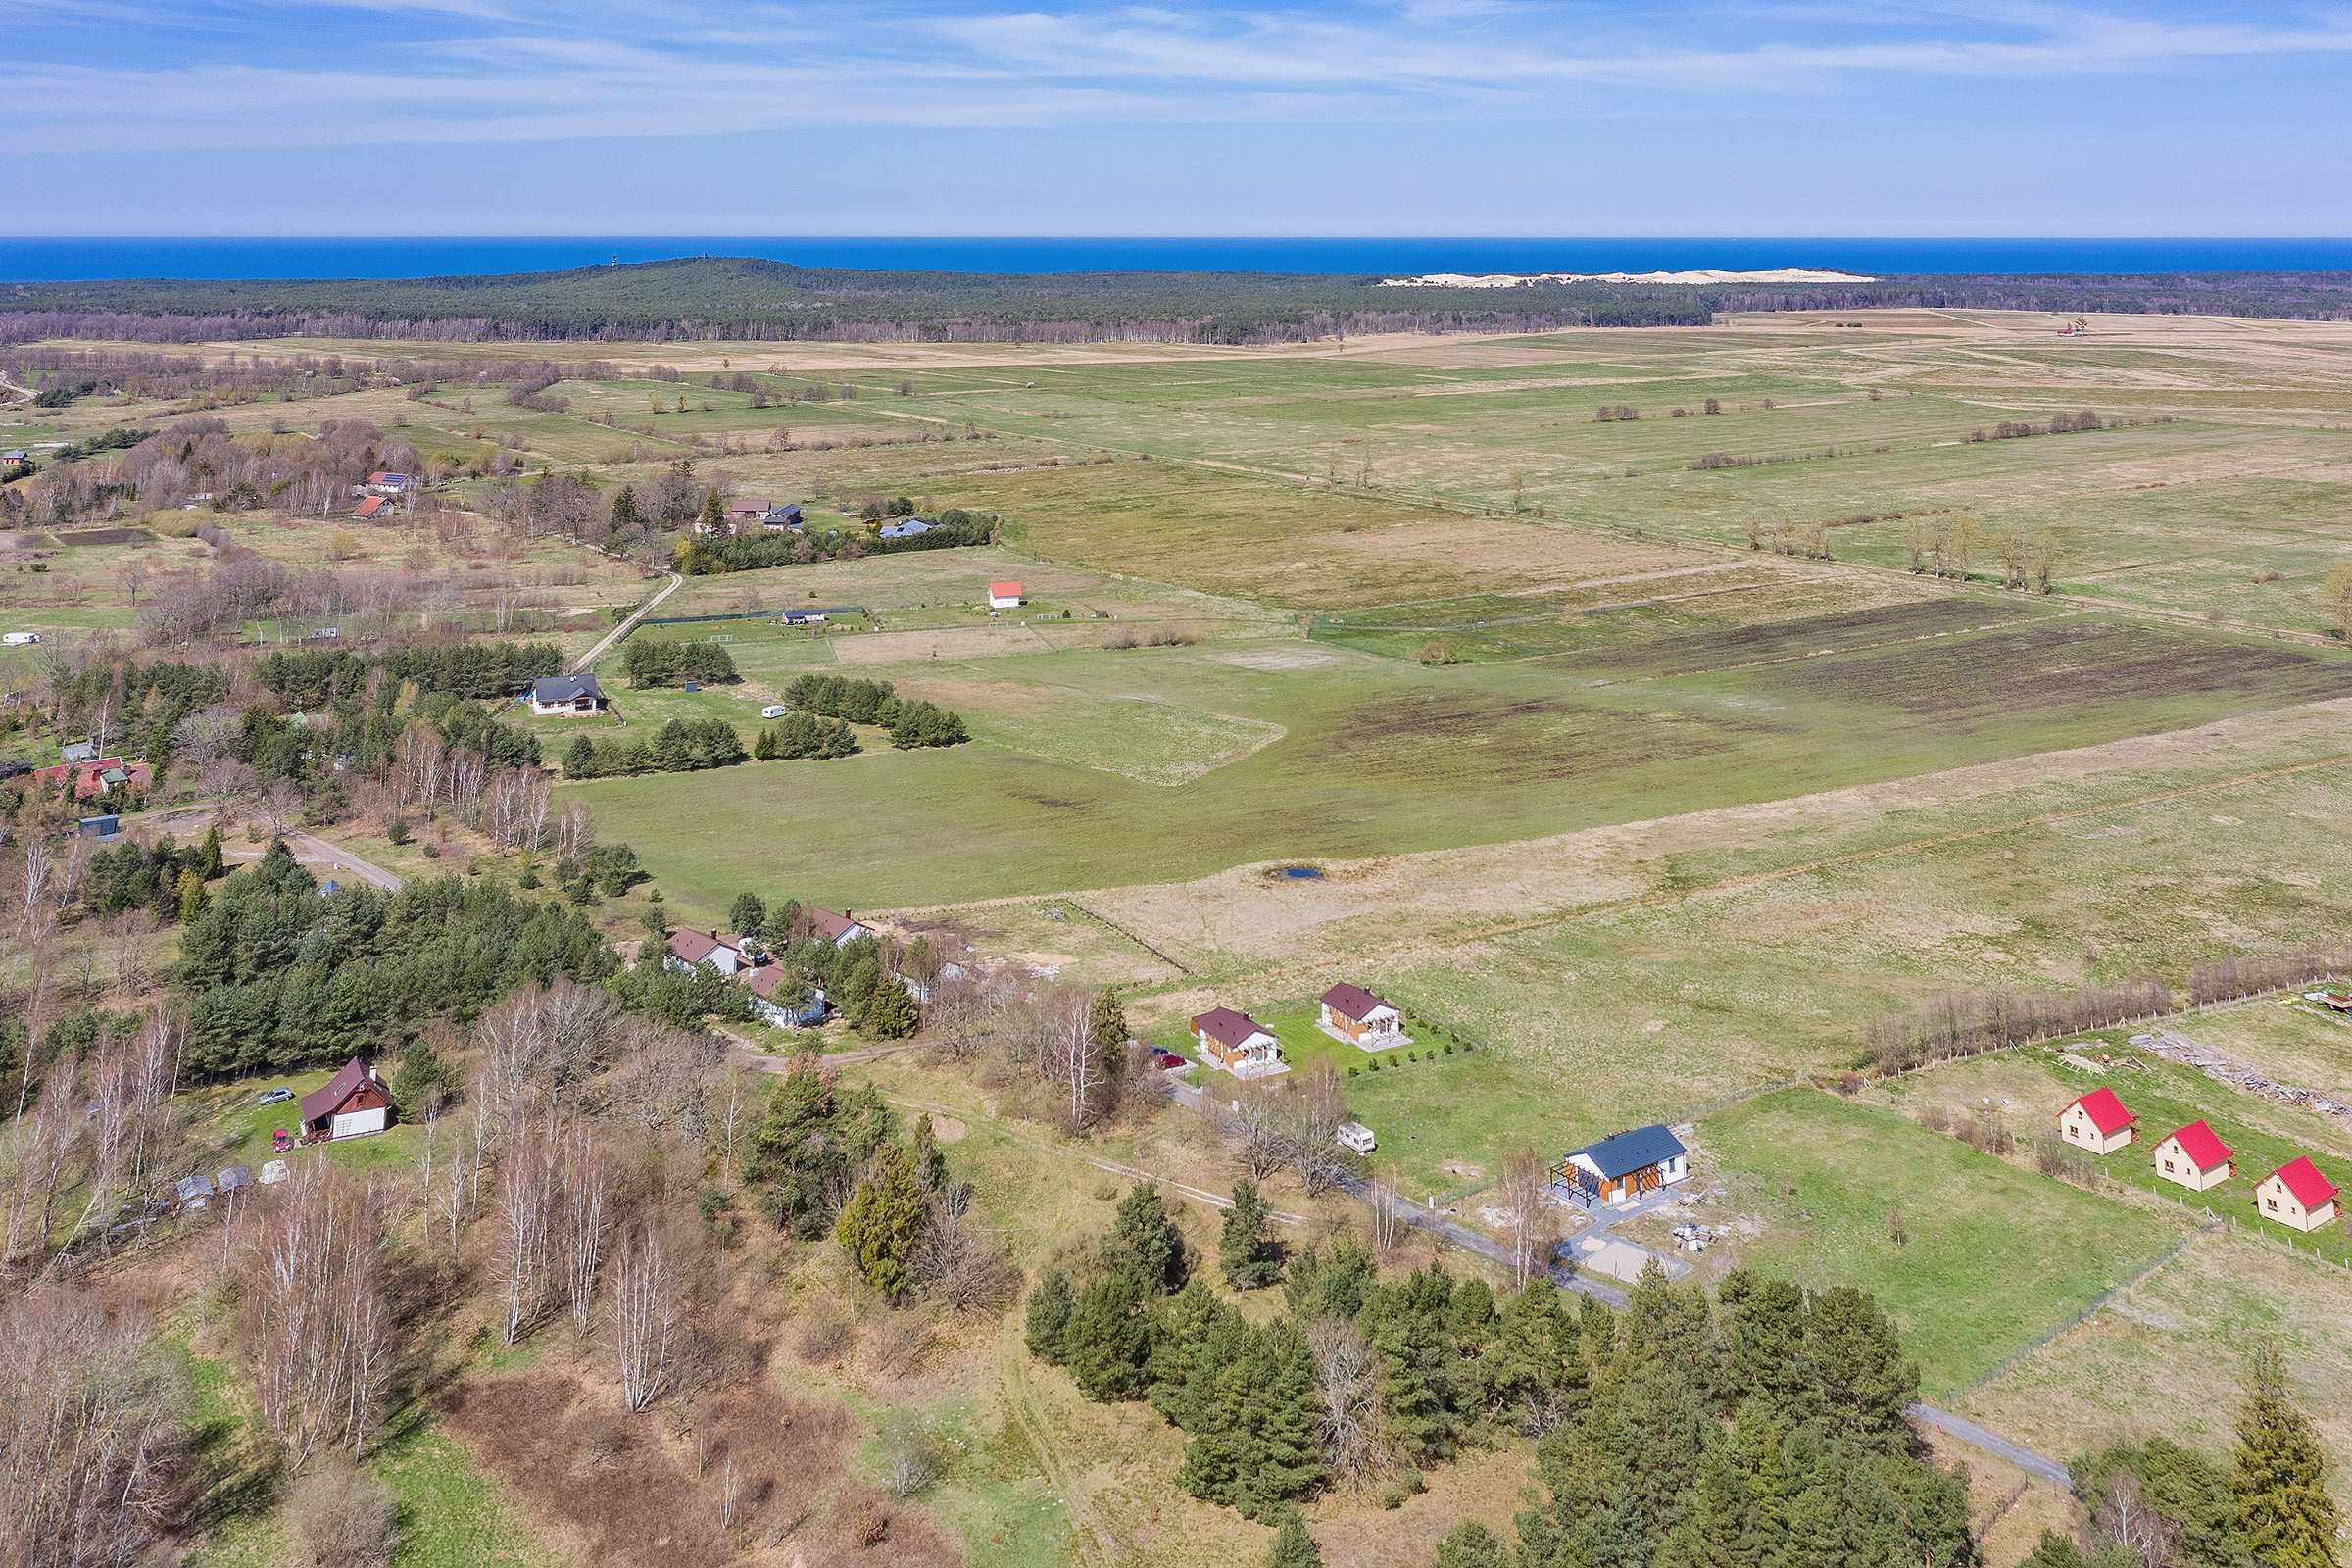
pixel 2034 1084
pixel 1996 1257
pixel 230 1129
pixel 2168 1355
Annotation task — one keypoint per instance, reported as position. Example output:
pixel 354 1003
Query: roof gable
pixel 2105 1111
pixel 2202 1145
pixel 565 688
pixel 1005 590
pixel 1635 1148
pixel 832 927
pixel 693 946
pixel 1353 1002
pixel 327 1098
pixel 1227 1027
pixel 2302 1178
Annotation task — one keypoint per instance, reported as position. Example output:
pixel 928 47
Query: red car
pixel 282 1140
pixel 1164 1059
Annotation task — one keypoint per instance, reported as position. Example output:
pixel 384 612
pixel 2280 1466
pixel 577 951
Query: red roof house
pixel 1360 1017
pixel 2194 1157
pixel 96 776
pixel 1003 595
pixel 372 507
pixel 351 1105
pixel 689 947
pixel 2097 1122
pixel 838 929
pixel 1237 1042
pixel 2296 1195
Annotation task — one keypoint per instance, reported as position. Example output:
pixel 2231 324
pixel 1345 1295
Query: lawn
pixel 2034 1084
pixel 1996 1257
pixel 230 1129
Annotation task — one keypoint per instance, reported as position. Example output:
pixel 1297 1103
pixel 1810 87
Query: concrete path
pixel 310 851
pixel 2038 1465
pixel 587 661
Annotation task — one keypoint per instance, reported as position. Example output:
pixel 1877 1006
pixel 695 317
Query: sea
pixel 61 258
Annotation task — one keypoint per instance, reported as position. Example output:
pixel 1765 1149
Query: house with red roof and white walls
pixel 2097 1122
pixel 2193 1157
pixel 2296 1195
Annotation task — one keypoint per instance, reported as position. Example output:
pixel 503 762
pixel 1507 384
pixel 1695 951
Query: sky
pixel 1031 117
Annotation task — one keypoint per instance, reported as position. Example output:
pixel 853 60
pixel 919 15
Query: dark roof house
pixel 1622 1154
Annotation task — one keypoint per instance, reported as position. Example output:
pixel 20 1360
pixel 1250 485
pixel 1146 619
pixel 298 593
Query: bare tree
pixel 91 1435
pixel 2126 1517
pixel 1388 1223
pixel 1348 1416
pixel 647 1301
pixel 1529 1228
pixel 583 1194
pixel 528 1174
pixel 317 1322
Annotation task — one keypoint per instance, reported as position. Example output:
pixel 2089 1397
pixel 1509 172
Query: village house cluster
pixel 746 962
pixel 2296 1195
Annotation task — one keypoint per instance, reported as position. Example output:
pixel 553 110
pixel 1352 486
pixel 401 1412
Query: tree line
pixel 306 678
pixel 652 661
pixel 911 722
pixel 754 552
pixel 676 746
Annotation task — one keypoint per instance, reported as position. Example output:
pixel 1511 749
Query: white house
pixel 1361 1018
pixel 689 947
pixel 2296 1195
pixel 566 694
pixel 2193 1157
pixel 1003 596
pixel 1622 1166
pixel 1238 1043
pixel 2097 1122
pixel 765 981
pixel 838 929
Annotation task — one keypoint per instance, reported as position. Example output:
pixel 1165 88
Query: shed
pixel 98 827
pixel 353 1104
pixel 193 1191
pixel 2296 1195
pixel 1624 1166
pixel 1003 595
pixel 2193 1157
pixel 2097 1122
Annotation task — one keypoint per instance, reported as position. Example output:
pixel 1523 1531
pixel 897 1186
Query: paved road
pixel 308 849
pixel 587 661
pixel 2040 1465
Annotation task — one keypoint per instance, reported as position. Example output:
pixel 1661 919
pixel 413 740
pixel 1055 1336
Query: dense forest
pixel 741 297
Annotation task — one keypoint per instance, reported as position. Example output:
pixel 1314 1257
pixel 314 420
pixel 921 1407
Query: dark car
pixel 273 1097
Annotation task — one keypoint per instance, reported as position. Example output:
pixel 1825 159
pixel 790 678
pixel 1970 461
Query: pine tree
pixel 1183 1335
pixel 1107 1341
pixel 746 914
pixel 1286 1452
pixel 1764 1328
pixel 1107 1024
pixel 890 1012
pixel 1416 1379
pixel 209 858
pixel 930 1160
pixel 1047 1321
pixel 627 519
pixel 880 1223
pixel 1469 1545
pixel 1854 1372
pixel 422 1082
pixel 763 745
pixel 712 514
pixel 1144 1245
pixel 1293 1547
pixel 192 897
pixel 580 758
pixel 2281 1473
pixel 1244 1251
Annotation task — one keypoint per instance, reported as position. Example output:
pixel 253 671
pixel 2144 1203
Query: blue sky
pixel 1030 116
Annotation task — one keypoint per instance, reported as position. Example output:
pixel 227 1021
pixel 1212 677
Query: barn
pixel 2194 1157
pixel 2097 1122
pixel 353 1104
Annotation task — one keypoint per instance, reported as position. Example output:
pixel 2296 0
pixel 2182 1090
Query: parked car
pixel 1164 1059
pixel 273 1097
pixel 282 1140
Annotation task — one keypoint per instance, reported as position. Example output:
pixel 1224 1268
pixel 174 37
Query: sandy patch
pixel 1275 661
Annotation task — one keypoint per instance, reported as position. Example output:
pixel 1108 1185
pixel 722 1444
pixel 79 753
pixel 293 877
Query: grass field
pixel 1995 1257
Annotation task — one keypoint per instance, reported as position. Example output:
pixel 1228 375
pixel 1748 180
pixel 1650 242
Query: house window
pixel 2270 1203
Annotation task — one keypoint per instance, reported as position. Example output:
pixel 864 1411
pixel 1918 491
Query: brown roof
pixel 694 946
pixel 832 927
pixel 1227 1027
pixel 324 1101
pixel 1353 1002
pixel 765 980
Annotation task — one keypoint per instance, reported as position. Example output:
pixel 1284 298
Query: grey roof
pixel 1634 1149
pixel 77 751
pixel 566 688
pixel 906 528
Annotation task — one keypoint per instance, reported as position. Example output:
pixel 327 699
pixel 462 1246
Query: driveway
pixel 310 851
pixel 587 661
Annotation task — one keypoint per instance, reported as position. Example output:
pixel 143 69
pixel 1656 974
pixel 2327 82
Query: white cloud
pixel 259 73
